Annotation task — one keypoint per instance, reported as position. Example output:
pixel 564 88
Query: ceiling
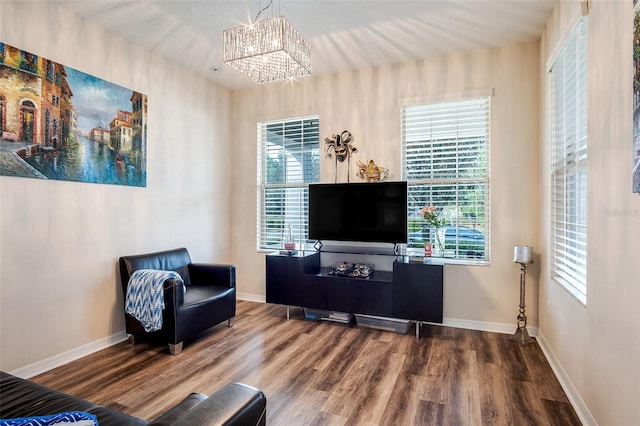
pixel 344 35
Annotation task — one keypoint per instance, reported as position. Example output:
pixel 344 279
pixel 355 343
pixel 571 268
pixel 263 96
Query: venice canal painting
pixel 636 96
pixel 60 123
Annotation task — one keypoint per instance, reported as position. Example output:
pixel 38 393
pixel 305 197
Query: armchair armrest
pixel 173 293
pixel 234 404
pixel 210 274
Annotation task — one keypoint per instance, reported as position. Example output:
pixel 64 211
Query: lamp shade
pixel 523 254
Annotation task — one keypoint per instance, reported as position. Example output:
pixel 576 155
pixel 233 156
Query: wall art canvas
pixel 60 123
pixel 636 96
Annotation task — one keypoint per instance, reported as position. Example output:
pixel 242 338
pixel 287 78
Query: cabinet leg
pixel 287 312
pixel 418 324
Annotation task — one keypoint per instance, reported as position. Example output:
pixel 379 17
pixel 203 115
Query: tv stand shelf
pixel 412 291
pixel 374 276
pixel 371 251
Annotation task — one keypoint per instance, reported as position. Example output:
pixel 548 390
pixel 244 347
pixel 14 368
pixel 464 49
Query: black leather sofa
pixel 234 404
pixel 210 296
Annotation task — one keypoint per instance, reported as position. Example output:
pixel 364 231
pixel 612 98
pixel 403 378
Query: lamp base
pixel 522 336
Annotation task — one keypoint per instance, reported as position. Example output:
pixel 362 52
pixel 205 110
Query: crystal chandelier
pixel 267 50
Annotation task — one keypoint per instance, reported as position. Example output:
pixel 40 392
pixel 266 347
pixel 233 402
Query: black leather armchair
pixel 210 297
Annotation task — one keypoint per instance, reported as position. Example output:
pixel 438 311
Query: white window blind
pixel 445 160
pixel 288 159
pixel 569 163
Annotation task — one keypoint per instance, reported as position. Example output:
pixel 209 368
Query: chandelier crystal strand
pixel 269 50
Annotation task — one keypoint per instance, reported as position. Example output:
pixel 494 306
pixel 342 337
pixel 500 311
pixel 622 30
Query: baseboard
pixel 496 327
pixel 249 297
pixel 40 367
pixel 572 393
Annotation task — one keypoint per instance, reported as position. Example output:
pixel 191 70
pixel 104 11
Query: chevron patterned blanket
pixel 145 296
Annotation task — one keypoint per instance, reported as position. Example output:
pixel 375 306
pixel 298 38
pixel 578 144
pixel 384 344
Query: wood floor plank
pixel 406 403
pixel 354 385
pixel 418 353
pixel 462 406
pixel 538 365
pixel 486 347
pixel 438 366
pixel 512 359
pixel 369 407
pixel 526 409
pixel 494 395
pixel 321 373
pixel 560 413
pixel 339 363
pixel 429 413
pixel 326 419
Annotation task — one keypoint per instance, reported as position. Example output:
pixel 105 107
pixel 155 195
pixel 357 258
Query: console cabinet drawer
pixel 285 276
pixel 370 297
pixel 417 291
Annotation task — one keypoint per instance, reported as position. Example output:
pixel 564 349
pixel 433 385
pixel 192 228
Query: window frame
pixel 461 254
pixel 568 215
pixel 292 186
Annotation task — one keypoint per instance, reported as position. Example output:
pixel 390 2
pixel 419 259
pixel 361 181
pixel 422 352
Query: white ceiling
pixel 344 35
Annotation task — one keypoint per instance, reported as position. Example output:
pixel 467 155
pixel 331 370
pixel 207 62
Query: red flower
pixel 431 216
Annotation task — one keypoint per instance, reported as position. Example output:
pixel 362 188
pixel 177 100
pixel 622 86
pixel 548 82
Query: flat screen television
pixel 370 212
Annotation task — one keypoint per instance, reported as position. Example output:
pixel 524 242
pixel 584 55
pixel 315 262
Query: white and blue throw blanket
pixel 145 296
pixel 75 418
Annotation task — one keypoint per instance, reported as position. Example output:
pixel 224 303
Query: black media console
pixel 412 291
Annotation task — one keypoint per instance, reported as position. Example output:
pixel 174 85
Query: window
pixel 28 62
pixel 50 70
pixel 445 160
pixel 288 160
pixel 568 78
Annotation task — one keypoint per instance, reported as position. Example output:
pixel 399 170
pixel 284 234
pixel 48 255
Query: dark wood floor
pixel 320 373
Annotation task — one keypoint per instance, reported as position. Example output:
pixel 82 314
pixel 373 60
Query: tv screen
pixel 370 212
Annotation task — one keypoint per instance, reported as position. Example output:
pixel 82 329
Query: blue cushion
pixel 75 418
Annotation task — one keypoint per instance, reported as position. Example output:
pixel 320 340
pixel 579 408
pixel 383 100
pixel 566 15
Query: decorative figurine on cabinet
pixel 342 147
pixel 372 173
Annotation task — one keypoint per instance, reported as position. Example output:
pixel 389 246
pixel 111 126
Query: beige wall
pixel 598 345
pixel 367 103
pixel 60 241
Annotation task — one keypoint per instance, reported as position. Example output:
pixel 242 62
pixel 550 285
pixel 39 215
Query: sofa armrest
pixel 234 404
pixel 186 405
pixel 212 274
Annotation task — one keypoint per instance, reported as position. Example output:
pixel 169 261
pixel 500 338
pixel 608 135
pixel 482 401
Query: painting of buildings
pixel 60 123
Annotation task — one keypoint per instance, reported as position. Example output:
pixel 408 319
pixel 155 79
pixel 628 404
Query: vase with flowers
pixel 434 221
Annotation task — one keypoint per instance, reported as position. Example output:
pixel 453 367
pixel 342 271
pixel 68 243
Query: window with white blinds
pixel 288 159
pixel 568 77
pixel 445 161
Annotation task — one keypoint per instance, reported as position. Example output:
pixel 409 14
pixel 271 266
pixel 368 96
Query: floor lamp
pixel 522 255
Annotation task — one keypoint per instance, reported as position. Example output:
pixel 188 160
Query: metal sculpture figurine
pixel 372 173
pixel 342 149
